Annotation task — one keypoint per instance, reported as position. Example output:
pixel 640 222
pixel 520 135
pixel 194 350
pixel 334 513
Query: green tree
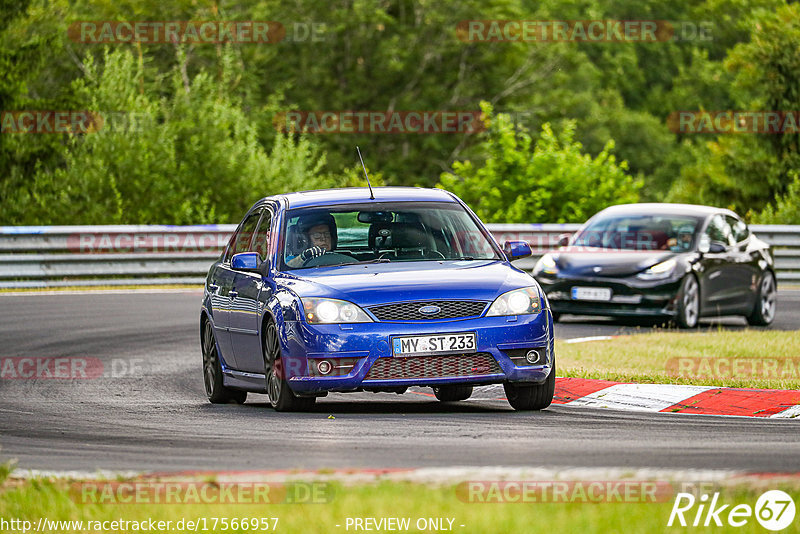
pixel 551 180
pixel 787 207
pixel 191 158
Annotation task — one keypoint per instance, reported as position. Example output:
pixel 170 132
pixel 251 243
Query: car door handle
pixel 233 294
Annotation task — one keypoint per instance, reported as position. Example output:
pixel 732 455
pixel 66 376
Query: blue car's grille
pixel 410 311
pixel 452 365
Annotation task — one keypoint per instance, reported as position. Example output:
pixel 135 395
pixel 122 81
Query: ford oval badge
pixel 429 310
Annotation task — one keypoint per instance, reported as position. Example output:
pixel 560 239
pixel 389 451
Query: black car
pixel 663 261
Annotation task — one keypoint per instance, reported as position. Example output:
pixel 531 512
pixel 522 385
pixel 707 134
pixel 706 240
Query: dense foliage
pixel 572 126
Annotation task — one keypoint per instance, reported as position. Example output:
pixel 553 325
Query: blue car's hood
pixel 380 283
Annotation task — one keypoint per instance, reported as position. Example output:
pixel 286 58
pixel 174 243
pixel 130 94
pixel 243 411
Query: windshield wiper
pixel 376 260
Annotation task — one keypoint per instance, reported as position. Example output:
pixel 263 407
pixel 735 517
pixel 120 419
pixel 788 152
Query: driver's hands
pixel 312 252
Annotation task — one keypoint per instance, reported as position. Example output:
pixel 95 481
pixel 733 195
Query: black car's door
pixel 746 271
pixel 719 290
pixel 247 306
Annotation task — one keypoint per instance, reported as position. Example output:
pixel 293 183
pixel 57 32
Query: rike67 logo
pixel 774 510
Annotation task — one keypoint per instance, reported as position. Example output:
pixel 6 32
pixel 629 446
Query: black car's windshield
pixel 640 232
pixel 382 232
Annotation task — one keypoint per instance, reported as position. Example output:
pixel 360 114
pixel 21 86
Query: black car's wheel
pixel 216 392
pixel 766 301
pixel 531 396
pixel 688 302
pixel 452 393
pixel 281 396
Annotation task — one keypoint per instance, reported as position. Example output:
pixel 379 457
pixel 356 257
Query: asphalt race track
pixel 151 414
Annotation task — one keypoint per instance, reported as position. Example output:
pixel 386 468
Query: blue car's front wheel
pixel 281 397
pixel 523 396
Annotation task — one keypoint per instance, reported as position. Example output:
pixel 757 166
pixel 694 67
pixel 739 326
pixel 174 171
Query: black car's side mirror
pixel 717 247
pixel 563 240
pixel 246 261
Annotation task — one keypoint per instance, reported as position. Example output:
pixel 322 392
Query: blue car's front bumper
pixel 367 347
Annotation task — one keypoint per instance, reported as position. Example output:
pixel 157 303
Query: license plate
pixel 591 293
pixel 435 344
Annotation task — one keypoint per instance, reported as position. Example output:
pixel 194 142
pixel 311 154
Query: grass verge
pixel 767 359
pixel 53 501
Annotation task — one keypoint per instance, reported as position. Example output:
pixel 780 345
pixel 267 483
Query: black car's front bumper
pixel 630 296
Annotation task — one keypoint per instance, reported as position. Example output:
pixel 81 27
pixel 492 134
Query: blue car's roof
pixel 326 197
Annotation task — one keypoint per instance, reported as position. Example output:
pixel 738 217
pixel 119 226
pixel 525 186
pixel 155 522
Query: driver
pixel 318 232
pixel 683 242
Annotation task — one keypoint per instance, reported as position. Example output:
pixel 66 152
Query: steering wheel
pixel 329 258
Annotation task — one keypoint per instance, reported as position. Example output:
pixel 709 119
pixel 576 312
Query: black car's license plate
pixel 434 344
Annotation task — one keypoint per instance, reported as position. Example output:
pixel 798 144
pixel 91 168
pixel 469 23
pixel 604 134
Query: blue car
pixel 348 290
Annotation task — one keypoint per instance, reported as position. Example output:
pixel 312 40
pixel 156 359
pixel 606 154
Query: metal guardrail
pixel 51 256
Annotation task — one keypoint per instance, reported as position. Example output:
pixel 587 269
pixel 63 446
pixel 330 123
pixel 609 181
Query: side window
pixel 719 230
pixel 241 241
pixel 261 242
pixel 740 230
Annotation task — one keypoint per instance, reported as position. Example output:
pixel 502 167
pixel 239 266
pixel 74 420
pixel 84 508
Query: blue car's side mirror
pixel 517 249
pixel 246 261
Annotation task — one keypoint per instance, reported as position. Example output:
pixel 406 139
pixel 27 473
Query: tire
pixel 525 397
pixel 216 392
pixel 452 393
pixel 556 316
pixel 688 303
pixel 281 396
pixel 766 300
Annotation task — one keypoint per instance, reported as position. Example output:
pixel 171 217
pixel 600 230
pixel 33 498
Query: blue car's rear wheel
pixel 281 397
pixel 523 396
pixel 216 392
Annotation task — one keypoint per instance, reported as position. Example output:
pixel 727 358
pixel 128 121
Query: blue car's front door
pixel 247 304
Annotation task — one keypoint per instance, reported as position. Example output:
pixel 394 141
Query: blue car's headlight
pixel 332 311
pixel 517 302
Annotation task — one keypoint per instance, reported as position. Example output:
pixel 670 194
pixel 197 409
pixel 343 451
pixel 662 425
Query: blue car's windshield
pixel 382 232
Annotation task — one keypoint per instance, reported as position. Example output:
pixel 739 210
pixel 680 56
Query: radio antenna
pixel 371 196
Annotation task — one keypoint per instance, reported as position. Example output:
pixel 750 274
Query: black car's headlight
pixel 517 302
pixel 332 311
pixel 546 265
pixel 658 271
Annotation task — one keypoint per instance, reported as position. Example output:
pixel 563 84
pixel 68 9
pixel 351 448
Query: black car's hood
pixel 582 261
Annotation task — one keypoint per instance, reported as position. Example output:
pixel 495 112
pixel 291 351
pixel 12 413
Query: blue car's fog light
pixel 327 367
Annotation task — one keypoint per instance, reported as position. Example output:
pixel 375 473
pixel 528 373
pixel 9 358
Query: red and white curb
pixel 702 400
